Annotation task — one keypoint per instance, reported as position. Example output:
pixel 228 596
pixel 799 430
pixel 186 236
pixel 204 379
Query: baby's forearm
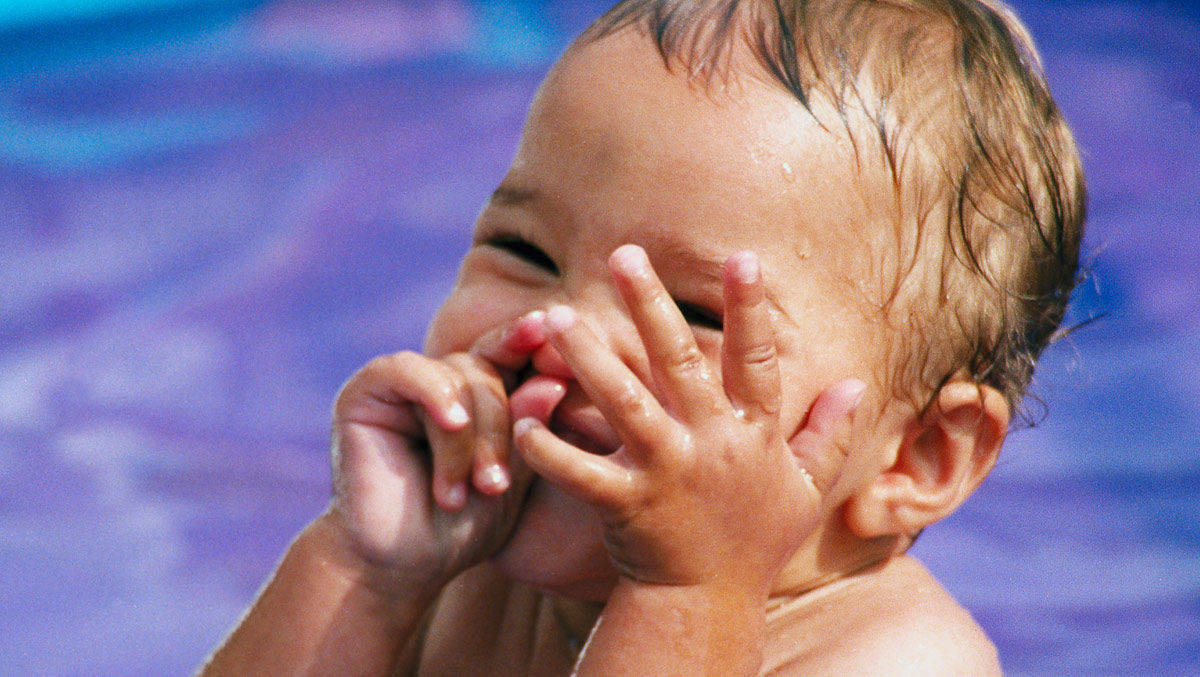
pixel 675 630
pixel 315 616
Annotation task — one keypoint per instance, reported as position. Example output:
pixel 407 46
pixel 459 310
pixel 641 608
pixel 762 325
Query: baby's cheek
pixel 440 337
pixel 463 317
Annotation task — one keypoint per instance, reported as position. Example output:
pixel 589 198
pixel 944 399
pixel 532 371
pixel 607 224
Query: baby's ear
pixel 941 458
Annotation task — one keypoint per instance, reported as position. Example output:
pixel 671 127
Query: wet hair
pixel 987 192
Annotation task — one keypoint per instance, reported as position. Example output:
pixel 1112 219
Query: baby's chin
pixel 557 546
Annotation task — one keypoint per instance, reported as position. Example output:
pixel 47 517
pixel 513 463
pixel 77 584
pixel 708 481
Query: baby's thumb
pixel 537 398
pixel 510 348
pixel 819 445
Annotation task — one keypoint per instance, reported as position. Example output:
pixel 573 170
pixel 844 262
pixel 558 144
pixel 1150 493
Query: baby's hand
pixel 408 433
pixel 707 489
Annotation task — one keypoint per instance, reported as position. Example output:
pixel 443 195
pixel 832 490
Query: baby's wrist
pixel 326 543
pixel 721 627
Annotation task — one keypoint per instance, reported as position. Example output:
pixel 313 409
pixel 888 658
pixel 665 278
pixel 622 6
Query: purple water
pixel 211 215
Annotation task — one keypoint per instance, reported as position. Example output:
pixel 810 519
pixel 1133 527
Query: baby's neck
pixel 797 587
pixel 886 611
pixel 576 618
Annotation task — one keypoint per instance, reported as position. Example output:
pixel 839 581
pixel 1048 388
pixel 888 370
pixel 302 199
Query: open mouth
pixel 513 381
pixel 572 416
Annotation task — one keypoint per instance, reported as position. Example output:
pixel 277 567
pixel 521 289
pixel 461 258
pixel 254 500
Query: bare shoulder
pixel 919 628
pixel 898 621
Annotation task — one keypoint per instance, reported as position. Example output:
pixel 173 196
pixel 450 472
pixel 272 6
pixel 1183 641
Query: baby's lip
pixel 584 426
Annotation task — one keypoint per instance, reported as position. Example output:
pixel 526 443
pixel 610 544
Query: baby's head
pixel 961 151
pixel 902 173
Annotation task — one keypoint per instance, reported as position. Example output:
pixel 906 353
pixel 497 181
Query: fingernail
pixel 745 267
pixel 531 326
pixel 525 333
pixel 524 425
pixel 494 477
pixel 456 495
pixel 630 258
pixel 560 318
pixel 457 414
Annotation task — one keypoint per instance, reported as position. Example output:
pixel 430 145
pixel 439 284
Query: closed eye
pixel 524 250
pixel 700 317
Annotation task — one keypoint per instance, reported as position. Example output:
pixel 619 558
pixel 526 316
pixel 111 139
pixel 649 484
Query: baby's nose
pixel 547 360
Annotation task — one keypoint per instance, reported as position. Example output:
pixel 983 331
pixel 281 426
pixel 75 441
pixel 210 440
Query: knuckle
pixel 452 383
pixel 401 362
pixel 629 402
pixel 770 408
pixel 347 397
pixel 759 355
pixel 689 360
pixel 464 362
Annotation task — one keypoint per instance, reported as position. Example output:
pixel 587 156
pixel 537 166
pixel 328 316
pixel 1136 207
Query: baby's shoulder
pixel 897 621
pixel 916 627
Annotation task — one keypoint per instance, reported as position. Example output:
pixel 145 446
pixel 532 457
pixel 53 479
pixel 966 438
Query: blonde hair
pixel 955 96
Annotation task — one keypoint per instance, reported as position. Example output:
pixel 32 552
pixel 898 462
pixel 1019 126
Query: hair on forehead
pixel 955 101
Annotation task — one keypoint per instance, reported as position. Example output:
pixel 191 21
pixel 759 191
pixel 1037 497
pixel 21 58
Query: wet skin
pixel 619 151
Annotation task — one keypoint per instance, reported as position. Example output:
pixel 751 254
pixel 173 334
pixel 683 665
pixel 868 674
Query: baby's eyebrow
pixel 683 256
pixel 709 267
pixel 707 270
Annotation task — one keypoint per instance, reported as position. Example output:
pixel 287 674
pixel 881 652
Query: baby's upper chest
pixel 493 627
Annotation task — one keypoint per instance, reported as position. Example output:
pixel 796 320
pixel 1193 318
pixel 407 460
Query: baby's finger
pixel 590 478
pixel 749 363
pixel 486 449
pixel 677 364
pixel 379 394
pixel 626 404
pixel 451 460
pixel 537 398
pixel 510 347
pixel 490 473
pixel 816 444
pixel 452 452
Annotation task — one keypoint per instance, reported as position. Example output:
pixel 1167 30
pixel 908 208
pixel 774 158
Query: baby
pixel 753 306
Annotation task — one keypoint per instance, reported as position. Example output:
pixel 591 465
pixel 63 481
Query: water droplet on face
pixel 803 248
pixel 789 174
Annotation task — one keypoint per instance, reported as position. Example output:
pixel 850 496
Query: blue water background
pixel 212 212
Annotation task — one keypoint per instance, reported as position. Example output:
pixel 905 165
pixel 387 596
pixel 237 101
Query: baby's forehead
pixel 745 147
pixel 696 174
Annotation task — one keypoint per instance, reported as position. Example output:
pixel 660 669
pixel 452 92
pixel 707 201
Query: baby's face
pixel 618 150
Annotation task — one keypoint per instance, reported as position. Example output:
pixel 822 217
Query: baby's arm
pixel 707 499
pixel 353 589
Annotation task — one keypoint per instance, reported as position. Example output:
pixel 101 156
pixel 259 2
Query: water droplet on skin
pixel 789 174
pixel 803 249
